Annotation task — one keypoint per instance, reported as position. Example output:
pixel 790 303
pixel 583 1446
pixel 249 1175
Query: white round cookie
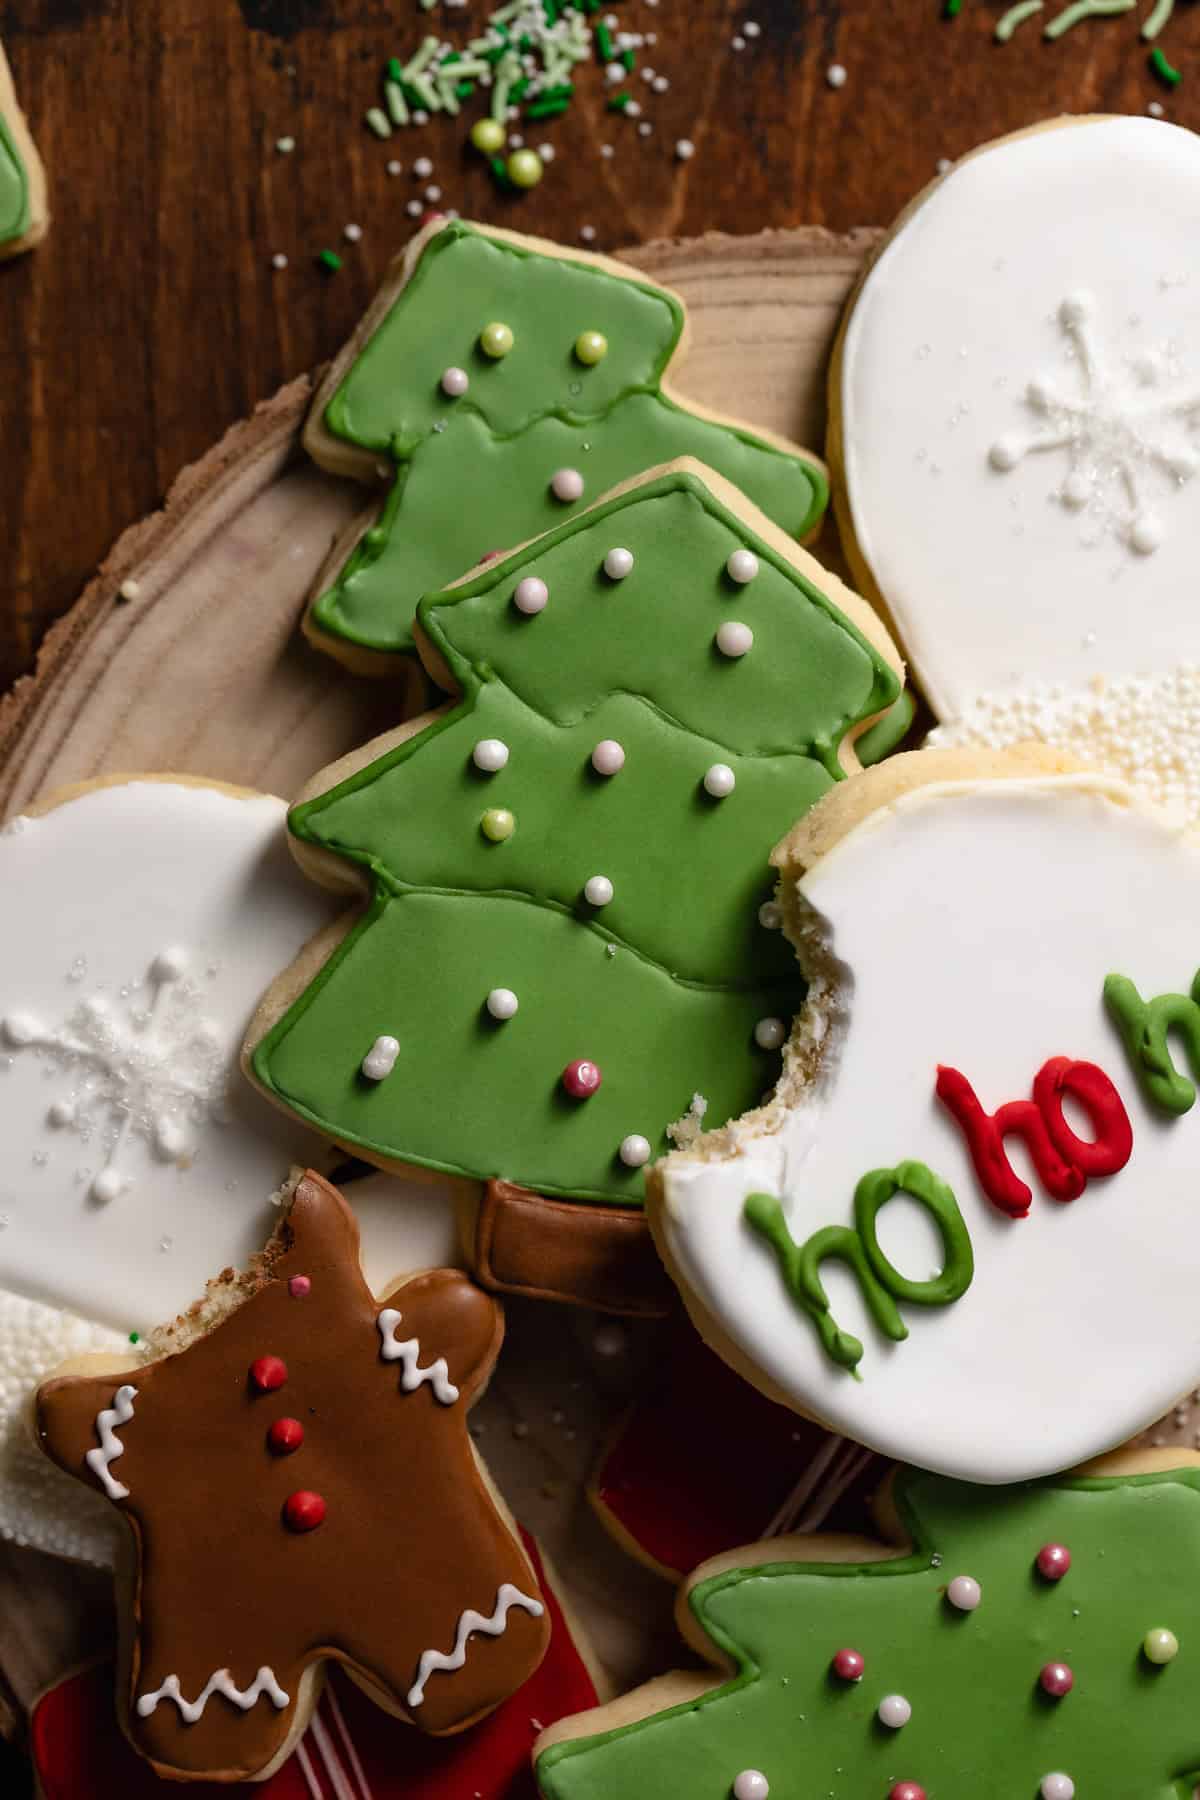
pixel 406 1224
pixel 1017 424
pixel 969 923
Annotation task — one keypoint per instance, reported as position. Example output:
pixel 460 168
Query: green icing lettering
pixel 1144 1025
pixel 880 1282
pixel 14 188
pixel 473 474
pixel 663 986
pixel 980 1725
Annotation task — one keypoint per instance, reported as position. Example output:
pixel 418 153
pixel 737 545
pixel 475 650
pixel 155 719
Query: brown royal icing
pixel 597 1256
pixel 410 1541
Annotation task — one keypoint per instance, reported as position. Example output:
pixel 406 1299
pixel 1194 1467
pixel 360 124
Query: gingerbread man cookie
pixel 1036 1640
pixel 567 952
pixel 960 1231
pixel 1015 433
pixel 498 381
pixel 299 1484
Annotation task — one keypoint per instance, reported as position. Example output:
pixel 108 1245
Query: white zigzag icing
pixel 507 1596
pixel 110 1445
pixel 220 1683
pixel 437 1374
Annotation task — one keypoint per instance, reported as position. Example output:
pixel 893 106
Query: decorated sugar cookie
pixel 959 1230
pixel 568 954
pixel 1036 1640
pixel 299 1483
pixel 352 1750
pixel 1016 431
pixel 501 384
pixel 143 917
pixel 23 215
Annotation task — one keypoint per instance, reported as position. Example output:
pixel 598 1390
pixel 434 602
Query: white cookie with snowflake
pixel 1016 425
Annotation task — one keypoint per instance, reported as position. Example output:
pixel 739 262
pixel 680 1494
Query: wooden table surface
pixel 151 318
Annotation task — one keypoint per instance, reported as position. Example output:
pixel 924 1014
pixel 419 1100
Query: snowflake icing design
pixel 153 1068
pixel 1125 430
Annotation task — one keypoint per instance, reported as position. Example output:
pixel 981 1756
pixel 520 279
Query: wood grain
pixel 151 320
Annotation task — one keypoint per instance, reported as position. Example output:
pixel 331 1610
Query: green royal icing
pixel 474 473
pixel 980 1725
pixel 14 188
pixel 880 1282
pixel 671 1012
pixel 1144 1026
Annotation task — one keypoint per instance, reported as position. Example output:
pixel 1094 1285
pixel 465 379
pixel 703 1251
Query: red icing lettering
pixel 985 1134
pixel 1112 1146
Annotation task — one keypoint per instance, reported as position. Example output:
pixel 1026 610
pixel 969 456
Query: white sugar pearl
pixel 566 484
pixel 635 1150
pixel 770 915
pixel 964 1593
pixel 608 758
pixel 742 566
pixel 502 1003
pixel 169 965
pixel 598 890
pixel 455 382
pixel 490 755
pixel 106 1186
pixel 1146 534
pixel 894 1711
pixel 531 595
pixel 751 1784
pixel 685 149
pixel 719 780
pixel 734 638
pixel 835 75
pixel 770 1033
pixel 617 564
pixel 380 1059
pixel 1057 1787
pixel 422 168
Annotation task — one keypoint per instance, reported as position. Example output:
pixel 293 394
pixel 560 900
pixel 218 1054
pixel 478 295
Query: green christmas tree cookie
pixel 564 946
pixel 1038 1642
pixel 23 218
pixel 500 382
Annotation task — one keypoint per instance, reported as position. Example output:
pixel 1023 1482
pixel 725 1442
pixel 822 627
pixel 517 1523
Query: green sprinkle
pixel 952 9
pixel 499 107
pixel 604 42
pixel 518 89
pixel 135 1337
pixel 1016 15
pixel 546 109
pixel 564 91
pixel 1158 18
pixel 501 174
pixel 329 259
pixel 426 93
pixel 1163 69
pixel 377 119
pixel 628 58
pixel 618 102
pixel 395 69
pixel 397 106
pixel 464 89
pixel 423 58
pixel 1086 9
pixel 449 97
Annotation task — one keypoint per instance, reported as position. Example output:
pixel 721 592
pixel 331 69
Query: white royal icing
pixel 105 1453
pixel 406 1351
pixel 142 922
pixel 1019 396
pixel 974 926
pixel 220 1683
pixel 507 1596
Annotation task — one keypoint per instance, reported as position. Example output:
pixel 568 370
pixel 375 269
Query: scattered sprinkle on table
pixel 285 145
pixel 835 75
pixel 685 149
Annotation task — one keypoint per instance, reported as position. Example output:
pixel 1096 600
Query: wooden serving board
pixel 201 670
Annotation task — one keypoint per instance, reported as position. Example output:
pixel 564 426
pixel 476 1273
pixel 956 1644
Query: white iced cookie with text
pixel 963 1231
pixel 1016 425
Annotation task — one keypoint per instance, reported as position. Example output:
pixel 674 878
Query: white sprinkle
pixel 1155 109
pixel 770 1033
pixel 422 168
pixel 685 149
pixel 598 890
pixel 285 145
pixel 645 128
pixel 944 165
pixel 770 915
pixel 279 260
pixel 634 1151
pixel 607 151
pixel 395 168
pixel 502 1003
pixel 455 382
pixel 741 566
pixel 433 194
pixel 737 43
pixel 751 29
pixel 614 73
pixel 719 781
pixel 618 564
pixel 835 75
pixel 352 233
pixel 420 117
pixel 734 638
pixel 130 589
pixel 546 152
pixel 380 1059
pixel 608 758
pixel 633 110
pixel 660 84
pixel 567 485
pixel 515 141
pixel 490 755
pixel 647 74
pixel 531 595
pixel 414 209
pixel 587 233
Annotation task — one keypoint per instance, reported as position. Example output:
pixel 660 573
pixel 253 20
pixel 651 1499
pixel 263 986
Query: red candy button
pixel 303 1510
pixel 268 1373
pixel 285 1436
pixel 581 1078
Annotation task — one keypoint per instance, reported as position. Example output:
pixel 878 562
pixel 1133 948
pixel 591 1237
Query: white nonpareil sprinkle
pixel 685 149
pixel 433 195
pixel 546 152
pixel 645 128
pixel 615 73
pixel 130 589
pixel 422 168
pixel 279 260
pixel 587 233
pixel 660 84
pixel 751 29
pixel 285 145
pixel 835 75
pixel 395 168
pixel 737 43
pixel 352 233
pixel 1144 728
pixel 414 209
pixel 606 150
pixel 1155 109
